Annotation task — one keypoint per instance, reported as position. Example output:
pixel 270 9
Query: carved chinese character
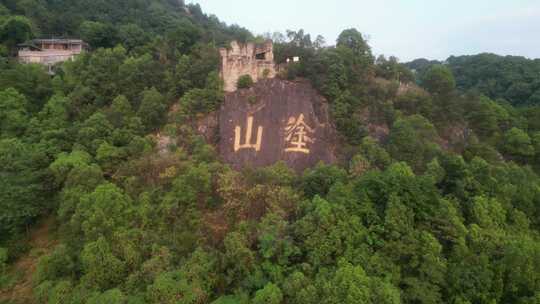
pixel 297 135
pixel 247 144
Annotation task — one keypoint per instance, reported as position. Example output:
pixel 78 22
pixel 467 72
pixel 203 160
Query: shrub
pixel 54 266
pixel 252 100
pixel 4 278
pixel 293 70
pixel 3 259
pixel 244 82
pixel 269 294
pixel 207 99
pixel 320 179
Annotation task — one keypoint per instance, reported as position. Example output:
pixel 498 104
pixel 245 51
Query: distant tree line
pixel 512 78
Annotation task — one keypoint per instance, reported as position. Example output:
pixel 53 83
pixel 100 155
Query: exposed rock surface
pixel 276 120
pixel 208 127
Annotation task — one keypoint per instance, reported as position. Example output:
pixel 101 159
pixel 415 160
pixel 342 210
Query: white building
pixel 50 51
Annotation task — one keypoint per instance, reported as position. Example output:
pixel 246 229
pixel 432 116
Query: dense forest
pixel 514 79
pixel 435 197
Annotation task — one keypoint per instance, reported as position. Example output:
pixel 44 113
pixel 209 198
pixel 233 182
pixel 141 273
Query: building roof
pixel 59 41
pixel 29 44
pixel 36 43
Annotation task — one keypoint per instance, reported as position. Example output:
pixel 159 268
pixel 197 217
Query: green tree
pixel 411 140
pixel 94 131
pixel 415 102
pixel 327 231
pixel 375 154
pixel 239 259
pixel 353 39
pixel 521 270
pixel 132 36
pixel 54 115
pixel 109 156
pixel 56 265
pixel 120 112
pixel 439 80
pixel 205 100
pixel 94 80
pixel 13 113
pixel 244 82
pixel 483 118
pixel 153 109
pixel 22 193
pixel 350 284
pixel 171 288
pixel 270 294
pixel 98 34
pixel 113 296
pixel 60 292
pixel 15 30
pixel 102 270
pixel 319 180
pixel 3 261
pixel 65 163
pixel 137 73
pixel 517 144
pixel 183 37
pixel 30 80
pixel 423 281
pixel 103 212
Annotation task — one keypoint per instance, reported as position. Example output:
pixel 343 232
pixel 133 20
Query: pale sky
pixel 408 29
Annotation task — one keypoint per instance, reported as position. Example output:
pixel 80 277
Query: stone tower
pixel 256 60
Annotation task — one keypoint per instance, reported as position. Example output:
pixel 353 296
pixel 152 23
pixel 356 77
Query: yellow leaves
pixel 169 172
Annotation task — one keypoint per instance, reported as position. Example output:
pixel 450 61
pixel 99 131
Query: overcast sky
pixel 408 29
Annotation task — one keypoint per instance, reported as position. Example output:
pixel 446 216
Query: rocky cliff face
pixel 276 120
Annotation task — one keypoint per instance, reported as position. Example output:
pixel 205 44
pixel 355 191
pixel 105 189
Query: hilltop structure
pixel 256 60
pixel 275 119
pixel 49 52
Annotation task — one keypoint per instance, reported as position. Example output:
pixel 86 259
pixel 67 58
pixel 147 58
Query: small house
pixel 49 52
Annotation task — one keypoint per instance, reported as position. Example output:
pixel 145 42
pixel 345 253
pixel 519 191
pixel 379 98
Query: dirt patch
pixel 455 138
pixel 216 226
pixel 41 244
pixel 208 127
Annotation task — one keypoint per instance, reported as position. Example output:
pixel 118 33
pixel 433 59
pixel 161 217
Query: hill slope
pixel 442 207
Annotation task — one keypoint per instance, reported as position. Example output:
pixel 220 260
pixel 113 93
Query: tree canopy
pixel 434 196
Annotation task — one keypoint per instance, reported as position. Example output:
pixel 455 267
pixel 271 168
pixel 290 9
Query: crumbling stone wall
pixel 256 60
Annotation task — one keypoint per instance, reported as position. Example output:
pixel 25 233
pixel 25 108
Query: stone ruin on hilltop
pixel 256 60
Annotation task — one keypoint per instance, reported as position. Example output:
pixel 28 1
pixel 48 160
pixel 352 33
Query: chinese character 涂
pixel 249 130
pixel 297 135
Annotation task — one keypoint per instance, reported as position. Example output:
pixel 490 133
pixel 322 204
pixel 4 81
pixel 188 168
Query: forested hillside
pixel 435 198
pixel 512 78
